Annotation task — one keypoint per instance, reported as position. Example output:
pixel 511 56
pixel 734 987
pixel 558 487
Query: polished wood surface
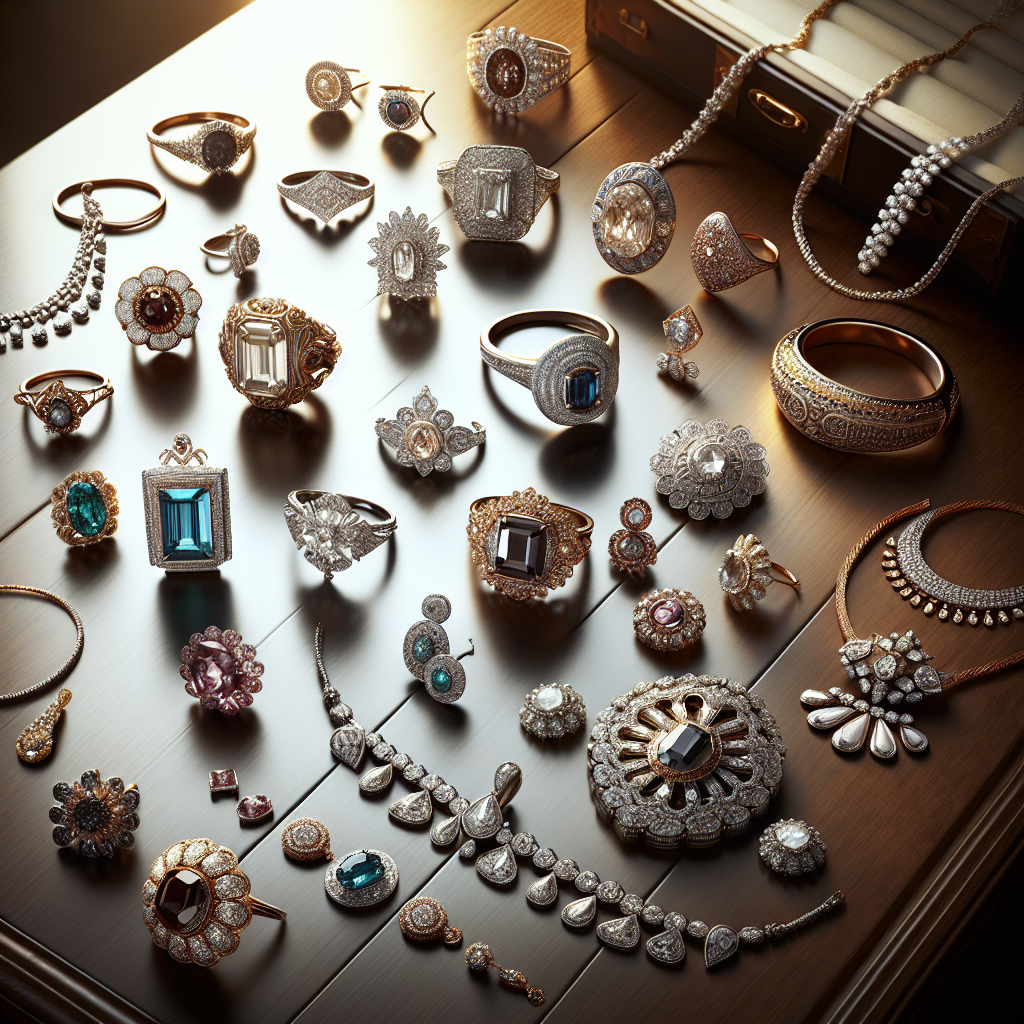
pixel 896 832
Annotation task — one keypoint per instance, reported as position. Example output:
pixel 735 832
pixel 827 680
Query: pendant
pixel 634 217
pixel 36 740
pixel 361 879
pixel 667 947
pixel 621 933
pixel 348 744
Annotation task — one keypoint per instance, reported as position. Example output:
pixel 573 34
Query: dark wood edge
pixel 946 902
pixel 52 990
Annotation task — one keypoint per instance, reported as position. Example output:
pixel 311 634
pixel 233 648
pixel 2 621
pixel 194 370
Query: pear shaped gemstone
pixel 829 718
pixel 851 736
pixel 414 809
pixel 376 780
pixel 913 739
pixel 498 866
pixel 621 933
pixel 667 947
pixel 444 833
pixel 580 913
pixel 467 851
pixel 543 892
pixel 349 743
pixel 883 743
pixel 815 698
pixel 507 780
pixel 483 819
pixel 721 943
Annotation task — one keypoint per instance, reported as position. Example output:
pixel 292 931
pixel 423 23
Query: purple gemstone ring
pixel 669 619
pixel 220 670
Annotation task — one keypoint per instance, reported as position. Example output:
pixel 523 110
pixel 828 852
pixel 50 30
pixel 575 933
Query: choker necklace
pixel 92 245
pixel 897 207
pixel 634 213
pixel 890 671
pixel 913 578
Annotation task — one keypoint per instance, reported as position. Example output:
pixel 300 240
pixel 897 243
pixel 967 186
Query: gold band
pixel 261 909
pixel 59 407
pixel 146 220
pixel 198 117
pixel 786 577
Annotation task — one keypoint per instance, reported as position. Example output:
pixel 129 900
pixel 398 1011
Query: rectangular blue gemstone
pixel 186 528
pixel 581 389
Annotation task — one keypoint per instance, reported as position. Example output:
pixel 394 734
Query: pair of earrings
pixel 428 655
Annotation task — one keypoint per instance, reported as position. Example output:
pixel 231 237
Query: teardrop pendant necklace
pixel 890 671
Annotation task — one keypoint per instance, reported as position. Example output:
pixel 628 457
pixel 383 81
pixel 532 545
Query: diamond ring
pixel 237 245
pixel 325 193
pixel 721 259
pixel 408 256
pixel 331 532
pixel 59 407
pixel 328 85
pixel 399 110
pixel 215 146
pixel 100 816
pixel 746 573
pixel 574 380
pixel 496 191
pixel 511 71
pixel 634 218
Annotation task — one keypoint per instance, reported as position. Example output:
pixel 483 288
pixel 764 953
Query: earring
pixel 426 651
pixel 425 920
pixel 479 957
pixel 792 847
pixel 632 550
pixel 399 110
pixel 683 331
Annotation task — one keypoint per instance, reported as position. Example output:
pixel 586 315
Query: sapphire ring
pixel 574 380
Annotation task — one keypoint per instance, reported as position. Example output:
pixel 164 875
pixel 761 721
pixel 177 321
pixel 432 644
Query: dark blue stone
pixel 87 511
pixel 185 524
pixel 582 388
pixel 359 870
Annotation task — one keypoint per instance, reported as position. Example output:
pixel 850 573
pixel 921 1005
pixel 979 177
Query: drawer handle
pixel 776 112
pixel 633 22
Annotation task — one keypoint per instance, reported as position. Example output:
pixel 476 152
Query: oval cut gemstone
pixel 219 149
pixel 327 86
pixel 398 112
pixel 631 547
pixel 359 870
pixel 423 440
pixel 548 698
pixel 440 680
pixel 667 612
pixel 628 219
pixel 157 307
pixel 58 414
pixel 403 261
pixel 214 669
pixel 685 748
pixel 87 511
pixel 423 649
pixel 734 573
pixel 182 901
pixel 505 73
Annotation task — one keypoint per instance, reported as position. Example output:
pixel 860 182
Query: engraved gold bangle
pixel 839 417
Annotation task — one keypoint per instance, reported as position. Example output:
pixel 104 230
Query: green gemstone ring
pixel 84 508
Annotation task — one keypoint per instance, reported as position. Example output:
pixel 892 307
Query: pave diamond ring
pixel 574 380
pixel 496 191
pixel 331 532
pixel 511 72
pixel 238 246
pixel 325 193
pixel 215 146
pixel 721 259
pixel 328 85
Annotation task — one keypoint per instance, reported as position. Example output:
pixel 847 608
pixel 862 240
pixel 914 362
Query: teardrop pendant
pixel 498 866
pixel 829 718
pixel 483 818
pixel 621 933
pixel 414 809
pixel 544 891
pixel 580 913
pixel 376 780
pixel 851 736
pixel 36 740
pixel 444 833
pixel 721 943
pixel 883 743
pixel 913 739
pixel 667 947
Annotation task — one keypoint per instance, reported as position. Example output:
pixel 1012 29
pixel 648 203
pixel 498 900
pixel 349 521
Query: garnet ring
pixel 59 407
pixel 215 145
pixel 574 380
pixel 238 246
pixel 325 193
pixel 511 71
pixel 158 308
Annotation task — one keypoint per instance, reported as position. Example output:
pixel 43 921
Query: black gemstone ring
pixel 215 146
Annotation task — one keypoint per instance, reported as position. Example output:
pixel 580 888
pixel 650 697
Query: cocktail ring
pixel 220 670
pixel 333 535
pixel 709 469
pixel 721 259
pixel 328 85
pixel 426 652
pixel 100 816
pixel 399 110
pixel 524 545
pixel 325 193
pixel 511 71
pixel 746 573
pixel 552 711
pixel 84 508
pixel 683 331
pixel 792 847
pixel 425 920
pixel 668 619
pixel 361 879
pixel 839 417
pixel 425 437
pixel 59 407
pixel 574 380
pixel 158 308
pixel 215 146
pixel 408 256
pixel 631 549
pixel 496 191
pixel 196 902
pixel 237 245
pixel 275 353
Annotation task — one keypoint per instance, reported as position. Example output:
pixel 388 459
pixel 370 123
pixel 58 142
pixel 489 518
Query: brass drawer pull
pixel 776 112
pixel 633 22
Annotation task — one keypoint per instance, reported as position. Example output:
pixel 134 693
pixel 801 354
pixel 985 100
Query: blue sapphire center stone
pixel 582 389
pixel 359 870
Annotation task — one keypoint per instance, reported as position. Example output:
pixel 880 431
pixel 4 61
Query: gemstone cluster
pixel 98 815
pixel 220 670
pixel 668 619
pixel 792 847
pixel 553 711
pixel 158 308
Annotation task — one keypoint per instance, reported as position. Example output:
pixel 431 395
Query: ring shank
pixel 261 909
pixel 302 498
pixel 48 375
pixel 769 246
pixel 199 117
pixel 584 322
pixel 786 577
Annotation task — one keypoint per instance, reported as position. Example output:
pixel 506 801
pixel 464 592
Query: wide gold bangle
pixel 839 417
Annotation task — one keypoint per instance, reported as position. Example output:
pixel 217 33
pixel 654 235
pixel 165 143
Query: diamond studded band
pixel 326 193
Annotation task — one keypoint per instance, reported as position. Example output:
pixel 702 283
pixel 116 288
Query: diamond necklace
pixel 889 670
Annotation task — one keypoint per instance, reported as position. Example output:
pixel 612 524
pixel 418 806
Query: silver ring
pixel 574 380
pixel 330 533
pixel 325 193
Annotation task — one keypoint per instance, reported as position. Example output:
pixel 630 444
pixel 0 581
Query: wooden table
pixel 915 843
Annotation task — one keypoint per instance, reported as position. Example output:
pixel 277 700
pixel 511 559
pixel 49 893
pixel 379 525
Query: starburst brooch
pixel 408 256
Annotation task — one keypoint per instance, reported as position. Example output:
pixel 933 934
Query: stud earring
pixel 631 549
pixel 425 920
pixel 427 652
pixel 683 331
pixel 792 847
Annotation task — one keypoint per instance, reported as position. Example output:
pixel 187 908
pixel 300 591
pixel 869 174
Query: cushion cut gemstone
pixel 522 547
pixel 398 112
pixel 492 192
pixel 505 73
pixel 685 748
pixel 186 526
pixel 359 870
pixel 403 261
pixel 219 149
pixel 668 612
pixel 182 901
pixel 58 414
pixel 711 461
pixel 157 306
pixel 441 680
pixel 261 357
pixel 734 572
pixel 792 835
pixel 423 649
pixel 214 669
pixel 582 389
pixel 87 511
pixel 628 219
pixel 423 440
pixel 548 698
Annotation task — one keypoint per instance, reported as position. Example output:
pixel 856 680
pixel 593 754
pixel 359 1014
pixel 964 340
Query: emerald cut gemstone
pixel 440 680
pixel 686 747
pixel 359 870
pixel 186 527
pixel 521 548
pixel 423 649
pixel 87 510
pixel 582 388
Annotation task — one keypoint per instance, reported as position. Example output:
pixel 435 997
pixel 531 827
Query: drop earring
pixel 427 652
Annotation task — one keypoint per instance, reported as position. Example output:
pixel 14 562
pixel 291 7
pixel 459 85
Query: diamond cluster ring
pixel 238 246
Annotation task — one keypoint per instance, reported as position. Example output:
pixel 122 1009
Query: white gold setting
pixel 792 847
pixel 366 896
pixel 552 711
pixel 408 256
pixel 682 331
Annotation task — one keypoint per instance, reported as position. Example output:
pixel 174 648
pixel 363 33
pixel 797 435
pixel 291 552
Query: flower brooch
pixel 99 816
pixel 220 670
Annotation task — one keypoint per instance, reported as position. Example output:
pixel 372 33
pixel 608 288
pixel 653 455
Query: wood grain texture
pixel 893 829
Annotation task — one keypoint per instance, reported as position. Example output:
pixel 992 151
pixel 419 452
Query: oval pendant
pixel 633 217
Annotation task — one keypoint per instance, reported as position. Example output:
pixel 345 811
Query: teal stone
pixel 87 510
pixel 440 680
pixel 359 870
pixel 423 649
pixel 186 525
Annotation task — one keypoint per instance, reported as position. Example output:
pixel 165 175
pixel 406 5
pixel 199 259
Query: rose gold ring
pixel 722 260
pixel 59 407
pixel 215 146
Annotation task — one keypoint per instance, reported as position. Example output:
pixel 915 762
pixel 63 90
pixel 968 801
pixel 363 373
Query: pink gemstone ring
pixel 668 619
pixel 220 670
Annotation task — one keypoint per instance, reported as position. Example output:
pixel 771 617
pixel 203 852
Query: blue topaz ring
pixel 59 407
pixel 574 380
pixel 524 545
pixel 427 652
pixel 361 879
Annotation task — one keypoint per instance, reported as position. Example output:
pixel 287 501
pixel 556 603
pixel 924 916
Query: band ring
pixel 840 417
pixel 722 260
pixel 59 407
pixel 238 246
pixel 215 146
pixel 146 220
pixel 574 380
pixel 511 71
pixel 325 193
pixel 330 533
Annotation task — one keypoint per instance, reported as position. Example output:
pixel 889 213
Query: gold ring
pixel 746 573
pixel 215 145
pixel 146 220
pixel 524 545
pixel 59 407
pixel 196 902
pixel 84 508
pixel 721 259
pixel 237 245
pixel 839 417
